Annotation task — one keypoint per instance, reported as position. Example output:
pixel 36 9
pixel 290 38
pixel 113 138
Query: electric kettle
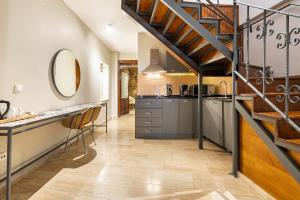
pixel 4 110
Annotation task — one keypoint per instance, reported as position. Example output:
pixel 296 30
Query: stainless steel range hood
pixel 155 66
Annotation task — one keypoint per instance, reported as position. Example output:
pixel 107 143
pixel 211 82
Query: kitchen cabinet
pixel 212 121
pixel 228 125
pixel 165 118
pixel 148 118
pixel 172 65
pixel 170 116
pixel 186 116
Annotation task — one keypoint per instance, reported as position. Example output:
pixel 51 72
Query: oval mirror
pixel 66 73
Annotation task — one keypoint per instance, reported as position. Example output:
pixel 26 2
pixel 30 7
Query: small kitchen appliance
pixel 169 90
pixel 183 90
pixel 4 109
pixel 208 90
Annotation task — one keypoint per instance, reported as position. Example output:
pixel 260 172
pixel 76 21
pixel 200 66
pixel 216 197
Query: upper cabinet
pixel 172 65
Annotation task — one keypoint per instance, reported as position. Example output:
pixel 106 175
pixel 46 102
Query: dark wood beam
pixel 169 23
pixel 181 38
pixel 138 6
pixel 156 3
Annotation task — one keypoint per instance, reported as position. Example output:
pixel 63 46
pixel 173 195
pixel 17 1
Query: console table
pixel 13 128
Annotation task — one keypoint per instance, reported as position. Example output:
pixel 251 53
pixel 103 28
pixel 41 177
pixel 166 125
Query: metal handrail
pixel 284 7
pixel 263 78
pixel 268 9
pixel 217 11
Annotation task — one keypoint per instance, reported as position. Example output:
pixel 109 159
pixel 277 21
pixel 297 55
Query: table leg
pixel 106 117
pixel 8 164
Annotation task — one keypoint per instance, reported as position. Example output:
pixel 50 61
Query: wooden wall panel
pixel 259 164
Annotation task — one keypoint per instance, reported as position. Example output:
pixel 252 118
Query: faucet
pixel 223 81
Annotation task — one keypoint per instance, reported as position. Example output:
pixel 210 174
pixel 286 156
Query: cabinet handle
pixel 148 122
pixel 148 131
pixel 148 103
pixel 148 113
pixel 170 101
pixel 185 101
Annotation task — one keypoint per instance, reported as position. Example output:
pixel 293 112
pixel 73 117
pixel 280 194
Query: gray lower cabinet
pixel 148 118
pixel 165 118
pixel 228 125
pixel 170 116
pixel 212 121
pixel 186 117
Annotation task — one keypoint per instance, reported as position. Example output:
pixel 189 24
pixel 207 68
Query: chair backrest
pixel 96 113
pixel 87 117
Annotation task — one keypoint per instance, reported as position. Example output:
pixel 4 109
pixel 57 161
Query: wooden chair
pixel 82 123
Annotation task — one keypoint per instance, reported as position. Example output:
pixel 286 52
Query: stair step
pixel 214 56
pixel 276 116
pixel 260 105
pixel 291 144
pixel 270 88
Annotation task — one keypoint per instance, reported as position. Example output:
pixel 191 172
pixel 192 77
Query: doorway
pixel 127 88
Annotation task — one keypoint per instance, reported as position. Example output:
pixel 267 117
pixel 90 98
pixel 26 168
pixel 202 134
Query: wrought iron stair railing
pixel 286 40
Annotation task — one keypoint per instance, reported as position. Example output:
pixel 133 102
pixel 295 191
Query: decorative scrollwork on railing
pixel 282 37
pixel 288 93
pixel 269 78
pixel 268 32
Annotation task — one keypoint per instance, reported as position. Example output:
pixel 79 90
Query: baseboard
pixel 256 187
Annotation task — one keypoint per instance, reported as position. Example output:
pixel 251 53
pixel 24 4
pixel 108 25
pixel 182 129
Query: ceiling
pixel 121 36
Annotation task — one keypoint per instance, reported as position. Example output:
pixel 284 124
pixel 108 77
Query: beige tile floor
pixel 122 167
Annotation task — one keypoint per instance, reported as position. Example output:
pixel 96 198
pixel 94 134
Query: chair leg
pixel 83 142
pixel 67 140
pixel 92 135
pixel 78 136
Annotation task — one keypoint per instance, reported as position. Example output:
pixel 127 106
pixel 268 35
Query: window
pixel 104 82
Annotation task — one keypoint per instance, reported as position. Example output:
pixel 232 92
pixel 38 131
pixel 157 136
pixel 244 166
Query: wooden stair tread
pixel 276 115
pixel 269 94
pixel 292 144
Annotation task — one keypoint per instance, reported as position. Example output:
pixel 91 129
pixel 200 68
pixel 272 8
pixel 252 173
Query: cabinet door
pixel 186 117
pixel 170 116
pixel 228 125
pixel 213 121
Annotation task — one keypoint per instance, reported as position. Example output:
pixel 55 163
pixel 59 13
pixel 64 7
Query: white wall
pixel 128 56
pixel 276 57
pixel 31 32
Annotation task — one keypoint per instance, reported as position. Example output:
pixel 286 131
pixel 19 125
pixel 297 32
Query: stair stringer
pixel 171 47
pixel 200 29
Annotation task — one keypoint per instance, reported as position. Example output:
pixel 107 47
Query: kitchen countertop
pixel 217 97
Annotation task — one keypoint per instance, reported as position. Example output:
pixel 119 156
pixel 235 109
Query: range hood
pixel 155 66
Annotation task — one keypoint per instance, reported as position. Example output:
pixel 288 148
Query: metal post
pixel 235 114
pixel 8 164
pixel 106 111
pixel 287 82
pixel 265 53
pixel 200 111
pixel 248 43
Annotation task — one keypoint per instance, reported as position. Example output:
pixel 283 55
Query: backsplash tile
pixel 156 84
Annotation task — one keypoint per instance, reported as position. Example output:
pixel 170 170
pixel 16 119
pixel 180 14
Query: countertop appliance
pixel 169 90
pixel 183 90
pixel 208 90
pixel 4 110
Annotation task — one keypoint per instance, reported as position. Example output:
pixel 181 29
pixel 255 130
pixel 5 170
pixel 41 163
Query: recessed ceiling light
pixel 109 26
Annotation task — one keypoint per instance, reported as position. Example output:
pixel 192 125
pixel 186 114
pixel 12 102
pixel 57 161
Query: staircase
pixel 262 99
pixel 197 34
